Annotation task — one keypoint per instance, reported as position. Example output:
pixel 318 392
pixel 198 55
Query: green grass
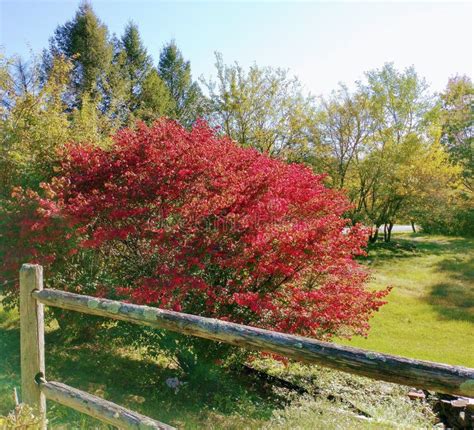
pixel 430 311
pixel 230 402
pixel 429 316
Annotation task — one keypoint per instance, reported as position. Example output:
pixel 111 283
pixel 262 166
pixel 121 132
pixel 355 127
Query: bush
pixel 459 223
pixel 189 221
pixel 22 417
pixel 451 217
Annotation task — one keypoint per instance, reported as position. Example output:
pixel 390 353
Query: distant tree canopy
pixel 382 144
pixel 457 107
pixel 263 108
pixel 452 211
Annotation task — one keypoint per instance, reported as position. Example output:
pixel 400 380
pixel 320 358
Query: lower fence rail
pixel 98 408
pixel 439 377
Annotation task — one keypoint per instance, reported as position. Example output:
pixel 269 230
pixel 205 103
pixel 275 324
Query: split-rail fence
pixel 36 388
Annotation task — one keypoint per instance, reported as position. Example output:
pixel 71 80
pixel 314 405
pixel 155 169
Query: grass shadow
pixel 450 259
pixel 131 380
pixel 454 300
pixel 9 358
pixel 410 245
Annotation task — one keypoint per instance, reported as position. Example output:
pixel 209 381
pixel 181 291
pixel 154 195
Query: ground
pixel 430 311
pixel 429 315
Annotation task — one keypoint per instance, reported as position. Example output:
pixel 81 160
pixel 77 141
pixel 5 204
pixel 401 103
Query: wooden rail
pixel 420 374
pixel 96 407
pixel 417 373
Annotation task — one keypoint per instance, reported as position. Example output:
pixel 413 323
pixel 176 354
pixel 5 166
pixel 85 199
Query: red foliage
pixel 204 226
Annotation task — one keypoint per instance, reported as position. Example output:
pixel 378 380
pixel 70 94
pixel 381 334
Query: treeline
pixel 402 153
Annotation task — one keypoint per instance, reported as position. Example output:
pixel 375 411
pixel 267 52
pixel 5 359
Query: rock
pixel 416 394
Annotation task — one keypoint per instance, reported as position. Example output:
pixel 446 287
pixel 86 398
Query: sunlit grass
pixel 430 311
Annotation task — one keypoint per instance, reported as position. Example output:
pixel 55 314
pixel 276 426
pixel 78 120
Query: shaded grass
pixel 126 377
pixel 430 311
pixel 234 401
pixel 9 359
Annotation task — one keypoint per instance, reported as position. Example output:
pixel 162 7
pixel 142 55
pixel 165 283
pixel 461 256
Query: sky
pixel 322 43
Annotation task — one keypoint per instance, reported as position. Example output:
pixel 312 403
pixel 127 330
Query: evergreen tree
pixel 155 99
pixel 176 73
pixel 146 96
pixel 135 62
pixel 138 62
pixel 85 41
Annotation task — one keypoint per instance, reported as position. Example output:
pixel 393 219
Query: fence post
pixel 32 337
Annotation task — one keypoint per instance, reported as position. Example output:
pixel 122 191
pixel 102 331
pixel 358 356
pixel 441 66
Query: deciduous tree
pixel 381 143
pixel 456 113
pixel 263 108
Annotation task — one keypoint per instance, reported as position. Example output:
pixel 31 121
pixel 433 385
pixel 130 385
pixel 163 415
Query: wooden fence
pixel 36 389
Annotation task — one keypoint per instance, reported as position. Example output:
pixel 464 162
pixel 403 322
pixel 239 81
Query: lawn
pixel 430 311
pixel 429 316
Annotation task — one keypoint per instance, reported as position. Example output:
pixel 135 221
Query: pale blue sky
pixel 323 43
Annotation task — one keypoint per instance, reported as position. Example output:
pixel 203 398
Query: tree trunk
pixel 389 232
pixel 374 234
pixel 385 233
pixel 413 226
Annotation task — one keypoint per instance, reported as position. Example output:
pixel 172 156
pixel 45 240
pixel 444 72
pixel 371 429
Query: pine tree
pixel 85 41
pixel 176 73
pixel 147 98
pixel 138 61
pixel 135 63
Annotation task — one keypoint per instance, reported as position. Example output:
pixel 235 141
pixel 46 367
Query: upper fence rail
pixel 421 374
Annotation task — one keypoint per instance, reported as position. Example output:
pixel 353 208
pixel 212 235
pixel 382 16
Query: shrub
pixel 189 221
pixel 22 417
pixel 455 220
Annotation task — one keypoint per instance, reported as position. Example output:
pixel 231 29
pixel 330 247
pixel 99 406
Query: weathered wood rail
pixel 98 408
pixel 443 378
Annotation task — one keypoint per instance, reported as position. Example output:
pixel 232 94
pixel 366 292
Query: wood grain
pixel 101 409
pixel 443 378
pixel 32 337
